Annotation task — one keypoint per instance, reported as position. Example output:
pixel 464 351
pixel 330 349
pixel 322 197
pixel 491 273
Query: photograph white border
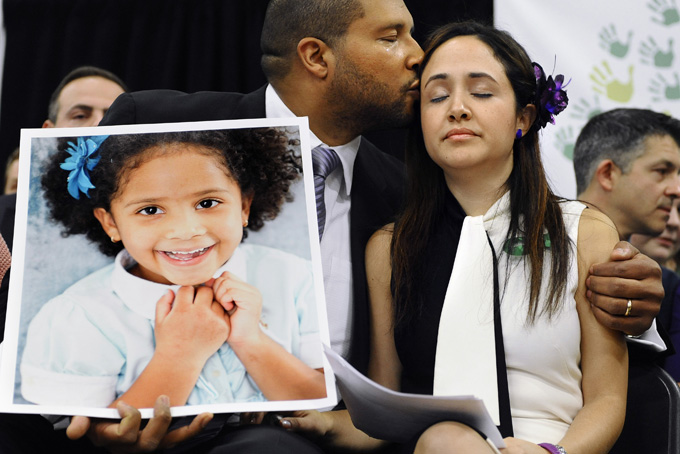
pixel 8 361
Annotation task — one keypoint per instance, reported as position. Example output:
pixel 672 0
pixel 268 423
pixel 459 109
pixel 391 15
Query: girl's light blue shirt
pixel 88 345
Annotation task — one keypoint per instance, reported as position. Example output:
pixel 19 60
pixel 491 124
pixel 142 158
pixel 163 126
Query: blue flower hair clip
pixel 83 159
pixel 551 99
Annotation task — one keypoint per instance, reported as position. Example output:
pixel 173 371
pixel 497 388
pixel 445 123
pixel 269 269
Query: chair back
pixel 652 423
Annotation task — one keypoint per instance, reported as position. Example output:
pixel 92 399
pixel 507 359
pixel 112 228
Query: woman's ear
pixel 108 223
pixel 315 56
pixel 526 118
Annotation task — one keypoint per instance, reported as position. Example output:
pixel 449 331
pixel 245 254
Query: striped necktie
pixel 324 161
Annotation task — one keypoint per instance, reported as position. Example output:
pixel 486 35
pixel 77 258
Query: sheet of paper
pixel 394 416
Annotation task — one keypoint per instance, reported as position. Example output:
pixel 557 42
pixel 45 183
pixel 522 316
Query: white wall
pixel 618 53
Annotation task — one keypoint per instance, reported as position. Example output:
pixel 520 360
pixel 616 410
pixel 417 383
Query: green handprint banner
pixel 615 57
pixel 652 54
pixel 610 42
pixel 665 12
pixel 606 83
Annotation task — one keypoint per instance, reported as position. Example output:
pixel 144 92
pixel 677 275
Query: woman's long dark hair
pixel 534 208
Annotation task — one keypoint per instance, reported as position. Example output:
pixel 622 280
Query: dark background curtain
pixel 188 45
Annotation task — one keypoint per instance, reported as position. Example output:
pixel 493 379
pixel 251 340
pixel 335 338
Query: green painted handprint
pixel 662 90
pixel 651 51
pixel 614 89
pixel 666 9
pixel 610 42
pixel 583 110
pixel 564 141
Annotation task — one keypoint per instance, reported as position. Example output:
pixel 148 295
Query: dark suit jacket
pixel 670 305
pixel 670 281
pixel 377 187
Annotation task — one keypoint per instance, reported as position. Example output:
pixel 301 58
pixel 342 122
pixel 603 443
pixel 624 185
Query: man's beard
pixel 362 103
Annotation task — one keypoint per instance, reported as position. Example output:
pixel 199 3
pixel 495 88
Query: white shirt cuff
pixel 650 339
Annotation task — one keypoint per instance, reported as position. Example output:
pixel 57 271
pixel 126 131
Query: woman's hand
pixel 517 446
pixel 190 326
pixel 243 305
pixel 313 424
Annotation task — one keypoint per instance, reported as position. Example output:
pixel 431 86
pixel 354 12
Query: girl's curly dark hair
pixel 262 161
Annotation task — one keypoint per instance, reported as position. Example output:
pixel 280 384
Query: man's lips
pixel 414 88
pixel 185 256
pixel 667 205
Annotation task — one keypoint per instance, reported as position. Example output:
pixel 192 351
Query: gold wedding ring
pixel 628 308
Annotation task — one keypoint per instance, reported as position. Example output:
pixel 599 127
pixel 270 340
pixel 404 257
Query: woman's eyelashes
pixel 437 99
pixel 476 94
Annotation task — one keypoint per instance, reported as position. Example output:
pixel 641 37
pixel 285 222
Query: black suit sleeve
pixel 170 106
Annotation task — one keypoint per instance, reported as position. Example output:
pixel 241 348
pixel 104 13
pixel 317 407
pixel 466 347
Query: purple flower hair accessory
pixel 83 159
pixel 551 99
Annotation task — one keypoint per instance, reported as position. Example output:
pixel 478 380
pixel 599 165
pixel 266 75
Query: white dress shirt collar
pixel 275 108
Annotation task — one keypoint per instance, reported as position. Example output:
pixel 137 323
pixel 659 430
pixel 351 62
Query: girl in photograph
pixel 186 310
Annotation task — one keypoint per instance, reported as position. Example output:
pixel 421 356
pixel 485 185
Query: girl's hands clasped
pixel 190 326
pixel 243 305
pixel 194 323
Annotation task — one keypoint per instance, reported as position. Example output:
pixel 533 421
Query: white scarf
pixel 465 362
